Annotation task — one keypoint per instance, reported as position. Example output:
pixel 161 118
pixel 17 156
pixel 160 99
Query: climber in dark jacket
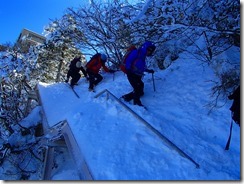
pixel 235 107
pixel 135 65
pixel 74 71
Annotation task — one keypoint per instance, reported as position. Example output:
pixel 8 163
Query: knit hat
pixel 149 46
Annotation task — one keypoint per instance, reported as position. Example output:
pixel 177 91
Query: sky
pixel 117 146
pixel 30 14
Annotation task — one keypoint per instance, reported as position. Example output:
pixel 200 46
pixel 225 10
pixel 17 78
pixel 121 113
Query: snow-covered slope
pixel 116 146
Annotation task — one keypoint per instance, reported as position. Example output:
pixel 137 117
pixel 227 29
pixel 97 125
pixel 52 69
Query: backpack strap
pixel 132 66
pixel 131 59
pixel 123 63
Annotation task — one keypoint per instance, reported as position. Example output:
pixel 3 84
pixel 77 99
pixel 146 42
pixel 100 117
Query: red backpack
pixel 122 64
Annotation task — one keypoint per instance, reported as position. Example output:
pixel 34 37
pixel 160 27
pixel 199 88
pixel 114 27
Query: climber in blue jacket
pixel 135 65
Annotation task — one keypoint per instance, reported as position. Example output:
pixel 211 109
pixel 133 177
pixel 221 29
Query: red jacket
pixel 95 64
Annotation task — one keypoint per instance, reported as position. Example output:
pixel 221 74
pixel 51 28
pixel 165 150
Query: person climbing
pixel 135 68
pixel 235 112
pixel 235 107
pixel 93 67
pixel 74 71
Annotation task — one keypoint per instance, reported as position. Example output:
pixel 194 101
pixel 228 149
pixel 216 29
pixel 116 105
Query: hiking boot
pixel 138 103
pixel 126 98
pixel 90 89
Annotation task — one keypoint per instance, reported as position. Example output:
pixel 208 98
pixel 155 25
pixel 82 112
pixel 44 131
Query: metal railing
pixel 62 131
pixel 148 125
pixel 56 133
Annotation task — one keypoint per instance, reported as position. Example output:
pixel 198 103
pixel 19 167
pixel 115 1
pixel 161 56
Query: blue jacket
pixel 135 62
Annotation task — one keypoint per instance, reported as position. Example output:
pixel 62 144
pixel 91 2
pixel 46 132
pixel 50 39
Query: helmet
pixel 150 47
pixel 78 64
pixel 103 57
pixel 148 44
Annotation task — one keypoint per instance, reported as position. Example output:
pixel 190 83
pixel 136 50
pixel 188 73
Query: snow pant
pixel 75 77
pixel 138 87
pixel 94 78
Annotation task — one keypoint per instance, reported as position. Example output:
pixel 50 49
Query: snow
pixel 117 146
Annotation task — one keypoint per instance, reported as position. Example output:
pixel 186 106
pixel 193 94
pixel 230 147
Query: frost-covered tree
pixel 208 28
pixel 53 57
pixel 172 25
pixel 175 25
pixel 100 27
pixel 16 102
pixel 15 71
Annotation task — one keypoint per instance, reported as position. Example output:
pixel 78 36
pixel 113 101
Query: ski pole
pixel 228 142
pixel 153 82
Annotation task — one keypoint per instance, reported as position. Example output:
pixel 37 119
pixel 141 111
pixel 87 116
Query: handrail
pixel 57 132
pixel 47 169
pixel 54 134
pixel 45 124
pixel 159 134
pixel 76 152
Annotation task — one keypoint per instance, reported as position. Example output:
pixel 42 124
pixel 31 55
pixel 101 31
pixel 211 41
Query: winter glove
pixel 150 71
